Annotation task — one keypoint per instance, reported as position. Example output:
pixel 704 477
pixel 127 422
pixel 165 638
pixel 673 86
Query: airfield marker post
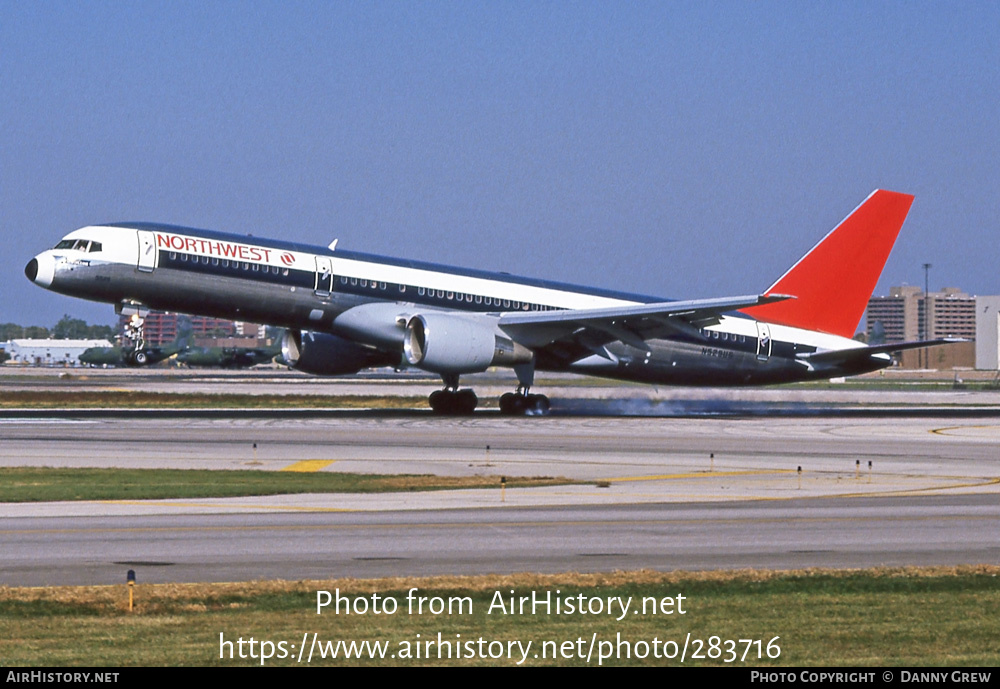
pixel 131 586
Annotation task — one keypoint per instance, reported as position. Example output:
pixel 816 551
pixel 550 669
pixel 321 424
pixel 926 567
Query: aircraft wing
pixel 633 324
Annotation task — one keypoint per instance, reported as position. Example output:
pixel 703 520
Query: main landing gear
pixel 457 402
pixel 451 400
pixel 520 403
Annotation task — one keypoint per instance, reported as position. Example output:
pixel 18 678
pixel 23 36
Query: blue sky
pixel 684 149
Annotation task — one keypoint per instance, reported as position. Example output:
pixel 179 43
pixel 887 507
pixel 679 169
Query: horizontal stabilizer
pixel 855 353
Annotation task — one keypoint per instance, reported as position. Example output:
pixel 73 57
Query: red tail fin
pixel 833 282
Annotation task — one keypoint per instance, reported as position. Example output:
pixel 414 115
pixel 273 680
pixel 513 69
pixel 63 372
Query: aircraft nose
pixel 40 270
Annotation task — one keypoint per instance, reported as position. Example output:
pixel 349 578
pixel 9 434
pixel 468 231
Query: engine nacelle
pixel 451 343
pixel 328 355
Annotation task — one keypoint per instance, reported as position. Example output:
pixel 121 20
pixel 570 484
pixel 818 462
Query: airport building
pixel 908 314
pixel 161 328
pixel 988 333
pixel 49 352
pixel 949 313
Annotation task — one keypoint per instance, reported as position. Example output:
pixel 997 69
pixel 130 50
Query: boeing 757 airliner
pixel 346 311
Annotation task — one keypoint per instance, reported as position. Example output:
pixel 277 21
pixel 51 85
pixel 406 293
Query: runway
pixel 801 533
pixel 673 493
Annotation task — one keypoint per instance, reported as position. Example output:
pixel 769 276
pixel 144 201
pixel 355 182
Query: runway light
pixel 800 477
pixel 503 489
pixel 130 577
pixel 857 468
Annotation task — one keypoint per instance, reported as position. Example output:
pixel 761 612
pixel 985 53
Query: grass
pixel 128 399
pixel 887 617
pixel 37 484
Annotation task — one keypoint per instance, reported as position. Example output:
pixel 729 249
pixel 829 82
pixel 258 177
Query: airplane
pixel 125 356
pixel 346 311
pixel 227 357
pixel 138 354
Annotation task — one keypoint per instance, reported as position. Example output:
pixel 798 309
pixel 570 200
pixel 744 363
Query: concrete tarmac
pixel 681 493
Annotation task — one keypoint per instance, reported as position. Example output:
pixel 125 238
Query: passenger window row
pixel 447 295
pixel 226 263
pixel 723 336
pixel 393 290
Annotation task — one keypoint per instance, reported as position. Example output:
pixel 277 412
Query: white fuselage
pixel 318 289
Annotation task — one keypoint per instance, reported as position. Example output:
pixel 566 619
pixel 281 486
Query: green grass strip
pixel 126 399
pixel 48 484
pixel 936 617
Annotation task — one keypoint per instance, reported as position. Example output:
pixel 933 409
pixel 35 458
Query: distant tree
pixel 35 332
pixel 70 328
pixel 100 332
pixel 10 331
pixel 67 328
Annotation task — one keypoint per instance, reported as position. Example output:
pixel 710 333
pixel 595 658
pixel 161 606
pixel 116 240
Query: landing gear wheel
pixel 507 402
pixel 538 405
pixel 514 404
pixel 465 402
pixel 456 402
pixel 135 357
pixel 437 401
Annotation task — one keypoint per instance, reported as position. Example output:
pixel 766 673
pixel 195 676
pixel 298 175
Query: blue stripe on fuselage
pixel 370 290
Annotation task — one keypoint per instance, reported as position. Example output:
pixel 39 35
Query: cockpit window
pixel 79 245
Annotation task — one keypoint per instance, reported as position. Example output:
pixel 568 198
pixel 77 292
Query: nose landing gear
pixel 134 331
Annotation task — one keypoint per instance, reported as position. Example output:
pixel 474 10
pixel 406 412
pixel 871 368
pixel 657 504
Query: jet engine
pixel 449 343
pixel 328 355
